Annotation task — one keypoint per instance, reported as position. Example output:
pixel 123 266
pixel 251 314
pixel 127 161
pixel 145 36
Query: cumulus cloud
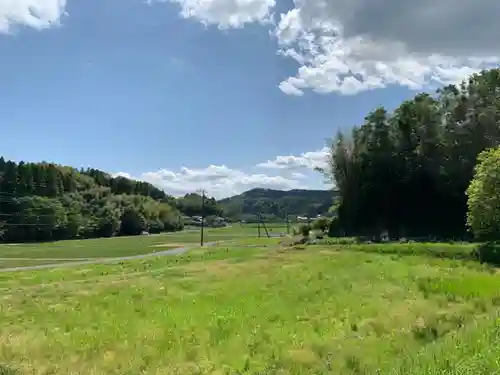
pixel 220 181
pixel 343 46
pixel 309 160
pixel 37 14
pixel 451 27
pixel 225 13
pixel 348 46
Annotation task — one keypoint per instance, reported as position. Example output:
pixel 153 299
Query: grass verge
pixel 117 246
pixel 12 263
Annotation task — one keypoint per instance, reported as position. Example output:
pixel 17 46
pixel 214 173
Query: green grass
pixel 215 234
pixel 83 249
pixel 20 262
pixel 237 310
pixel 438 250
pixel 274 226
pixel 117 247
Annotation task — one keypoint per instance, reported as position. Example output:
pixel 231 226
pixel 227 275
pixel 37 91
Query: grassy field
pixel 328 309
pixel 31 254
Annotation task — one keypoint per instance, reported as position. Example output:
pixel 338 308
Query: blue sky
pixel 217 94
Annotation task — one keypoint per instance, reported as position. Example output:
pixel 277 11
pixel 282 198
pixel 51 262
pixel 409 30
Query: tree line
pixel 407 172
pixel 45 202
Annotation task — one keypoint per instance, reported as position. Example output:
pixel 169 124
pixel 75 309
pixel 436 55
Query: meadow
pixel 261 309
pixel 17 255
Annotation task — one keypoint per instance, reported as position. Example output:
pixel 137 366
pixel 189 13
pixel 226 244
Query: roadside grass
pixel 78 249
pixel 460 250
pixel 126 270
pixel 262 241
pixel 117 246
pixel 20 262
pixel 275 226
pixel 246 310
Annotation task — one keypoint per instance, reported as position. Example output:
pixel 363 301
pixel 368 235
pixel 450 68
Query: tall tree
pixel 407 172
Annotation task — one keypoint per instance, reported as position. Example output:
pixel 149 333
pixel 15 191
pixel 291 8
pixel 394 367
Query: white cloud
pixel 343 46
pixel 225 13
pixel 221 181
pixel 37 14
pixel 348 46
pixel 218 181
pixel 309 160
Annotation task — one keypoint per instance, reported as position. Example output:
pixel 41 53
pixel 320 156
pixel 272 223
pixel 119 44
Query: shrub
pixel 293 241
pixel 488 252
pixel 334 229
pixel 483 196
pixel 337 241
pixel 321 224
pixel 304 229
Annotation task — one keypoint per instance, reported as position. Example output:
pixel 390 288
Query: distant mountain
pixel 275 204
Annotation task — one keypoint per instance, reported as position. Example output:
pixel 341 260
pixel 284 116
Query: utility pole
pixel 202 216
pixel 261 221
pixel 258 224
pixel 287 223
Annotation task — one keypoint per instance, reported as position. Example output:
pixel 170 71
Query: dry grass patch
pixel 229 268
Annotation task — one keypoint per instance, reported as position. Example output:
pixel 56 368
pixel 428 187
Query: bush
pixel 304 229
pixel 334 229
pixel 488 252
pixel 321 224
pixel 483 197
pixel 293 241
pixel 338 241
pixel 155 226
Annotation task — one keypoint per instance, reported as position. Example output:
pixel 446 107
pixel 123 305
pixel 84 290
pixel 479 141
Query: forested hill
pixel 275 204
pixel 43 201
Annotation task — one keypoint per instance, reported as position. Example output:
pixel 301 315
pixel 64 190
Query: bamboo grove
pixel 407 172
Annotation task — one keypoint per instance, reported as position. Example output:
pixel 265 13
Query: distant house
pixel 219 222
pixel 208 221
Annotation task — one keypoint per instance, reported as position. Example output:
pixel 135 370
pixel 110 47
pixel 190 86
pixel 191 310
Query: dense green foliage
pixel 275 204
pixel 484 196
pixel 191 205
pixel 43 202
pixel 321 224
pixel 407 172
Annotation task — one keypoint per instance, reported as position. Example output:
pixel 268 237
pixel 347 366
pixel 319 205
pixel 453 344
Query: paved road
pixel 176 251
